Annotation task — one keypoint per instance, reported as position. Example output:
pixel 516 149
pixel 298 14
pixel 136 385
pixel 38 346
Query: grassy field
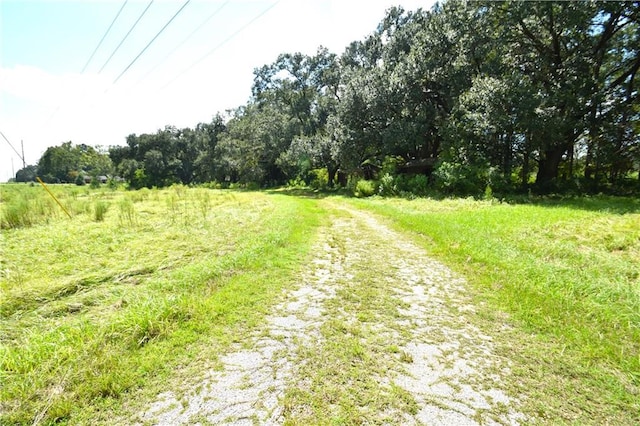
pixel 135 284
pixel 568 274
pixel 108 304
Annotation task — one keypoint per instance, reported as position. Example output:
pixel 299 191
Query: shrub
pixel 319 178
pixel 462 179
pixel 112 183
pixel 296 183
pixel 365 188
pixel 418 185
pixel 387 185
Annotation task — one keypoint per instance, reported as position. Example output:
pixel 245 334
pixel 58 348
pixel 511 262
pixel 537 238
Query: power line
pixel 92 55
pixel 14 150
pixel 104 36
pixel 225 41
pixel 127 35
pixel 186 39
pixel 152 40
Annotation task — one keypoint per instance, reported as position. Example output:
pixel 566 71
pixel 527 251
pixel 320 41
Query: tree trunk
pixel 331 171
pixel 507 163
pixel 525 162
pixel 588 166
pixel 571 161
pixel 548 166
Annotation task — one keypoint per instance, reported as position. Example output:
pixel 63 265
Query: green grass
pixel 568 273
pixel 99 311
pixel 93 311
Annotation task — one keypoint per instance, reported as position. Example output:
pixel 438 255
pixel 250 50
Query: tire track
pixel 251 384
pixel 442 361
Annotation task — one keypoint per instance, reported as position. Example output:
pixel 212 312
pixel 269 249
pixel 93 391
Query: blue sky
pixel 45 99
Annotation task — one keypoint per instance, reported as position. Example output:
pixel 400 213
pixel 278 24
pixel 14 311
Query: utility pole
pixel 24 163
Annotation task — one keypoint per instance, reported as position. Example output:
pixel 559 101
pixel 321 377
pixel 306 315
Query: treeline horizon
pixel 466 96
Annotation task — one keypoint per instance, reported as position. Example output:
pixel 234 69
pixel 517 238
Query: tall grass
pixel 82 328
pixel 99 210
pixel 127 211
pixel 23 206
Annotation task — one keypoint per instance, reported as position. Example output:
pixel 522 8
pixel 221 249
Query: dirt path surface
pixel 376 331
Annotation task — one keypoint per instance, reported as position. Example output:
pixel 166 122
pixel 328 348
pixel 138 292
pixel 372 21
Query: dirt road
pixel 376 332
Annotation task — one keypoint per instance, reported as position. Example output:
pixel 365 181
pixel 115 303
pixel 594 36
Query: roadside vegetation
pixel 135 284
pixel 567 274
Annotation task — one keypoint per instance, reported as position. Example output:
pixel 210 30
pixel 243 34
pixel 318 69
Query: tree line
pixel 510 95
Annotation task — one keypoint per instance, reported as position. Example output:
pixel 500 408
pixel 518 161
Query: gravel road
pixel 444 362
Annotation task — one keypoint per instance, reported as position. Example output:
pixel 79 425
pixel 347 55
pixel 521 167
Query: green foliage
pixel 364 188
pixel 28 174
pixel 95 183
pixel 112 183
pixel 461 179
pixel 488 193
pixel 387 186
pixel 319 179
pixel 505 94
pixel 67 162
pixel 417 185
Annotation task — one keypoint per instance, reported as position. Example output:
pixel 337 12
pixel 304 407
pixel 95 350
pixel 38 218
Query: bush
pixel 387 186
pixel 112 183
pixel 418 185
pixel 462 179
pixel 365 188
pixel 296 183
pixel 319 178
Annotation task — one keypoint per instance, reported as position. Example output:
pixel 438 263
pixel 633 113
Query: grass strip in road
pixel 568 274
pixel 343 373
pixel 104 308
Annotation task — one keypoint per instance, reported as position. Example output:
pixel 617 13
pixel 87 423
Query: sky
pixel 53 90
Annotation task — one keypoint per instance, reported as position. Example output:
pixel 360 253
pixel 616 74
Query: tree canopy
pixel 68 162
pixel 540 95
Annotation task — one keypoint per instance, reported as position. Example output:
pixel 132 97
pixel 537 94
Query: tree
pixel 573 54
pixel 27 174
pixel 66 162
pixel 306 90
